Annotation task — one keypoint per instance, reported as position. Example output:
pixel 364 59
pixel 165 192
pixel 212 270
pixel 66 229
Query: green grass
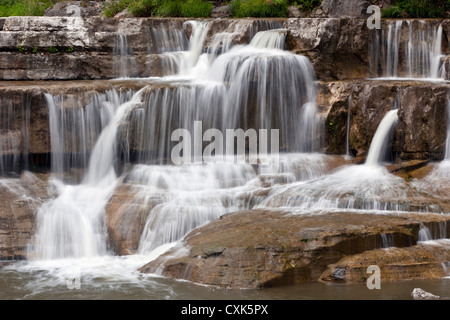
pixel 417 9
pixel 259 8
pixel 196 9
pixel 171 8
pixel 10 8
pixel 168 8
pixel 110 9
pixel 142 8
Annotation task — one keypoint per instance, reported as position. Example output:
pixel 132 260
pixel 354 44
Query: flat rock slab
pixel 262 248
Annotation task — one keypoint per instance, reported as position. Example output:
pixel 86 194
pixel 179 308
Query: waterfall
pixel 392 49
pixel 357 187
pixel 124 63
pixel 257 86
pixel 72 225
pixel 14 136
pixel 270 39
pixel 347 142
pixel 380 141
pixel 258 78
pixel 447 141
pixel 75 126
pixel 419 56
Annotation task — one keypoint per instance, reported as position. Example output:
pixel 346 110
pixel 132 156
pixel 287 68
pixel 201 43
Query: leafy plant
pixel 53 50
pixel 196 9
pixel 168 8
pixel 21 49
pixel 69 49
pixel 143 8
pixel 417 9
pixel 110 9
pixel 259 8
pixel 24 7
pixel 34 50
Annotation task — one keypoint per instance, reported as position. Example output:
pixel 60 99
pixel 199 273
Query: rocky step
pixel 261 248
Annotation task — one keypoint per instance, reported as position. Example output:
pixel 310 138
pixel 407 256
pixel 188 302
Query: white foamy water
pixel 219 84
pixel 408 49
pixel 357 187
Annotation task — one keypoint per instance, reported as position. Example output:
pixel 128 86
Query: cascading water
pixel 368 186
pixel 380 141
pixel 14 137
pixel 218 90
pixel 124 61
pixel 72 225
pixel 418 57
pixel 223 86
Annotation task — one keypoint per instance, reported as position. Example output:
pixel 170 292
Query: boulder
pixel 422 261
pixel 345 8
pixel 263 248
pixel 420 294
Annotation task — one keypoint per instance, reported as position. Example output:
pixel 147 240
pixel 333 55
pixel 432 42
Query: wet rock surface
pixel 20 200
pixel 258 248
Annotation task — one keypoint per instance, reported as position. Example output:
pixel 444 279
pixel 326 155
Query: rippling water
pixel 115 278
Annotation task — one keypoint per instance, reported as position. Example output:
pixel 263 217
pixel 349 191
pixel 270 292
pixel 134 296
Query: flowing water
pixel 219 85
pixel 420 57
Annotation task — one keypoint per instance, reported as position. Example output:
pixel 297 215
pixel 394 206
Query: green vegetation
pixel 259 8
pixel 307 5
pixel 21 49
pixel 110 9
pixel 23 7
pixel 160 8
pixel 53 50
pixel 196 8
pixel 143 8
pixel 417 9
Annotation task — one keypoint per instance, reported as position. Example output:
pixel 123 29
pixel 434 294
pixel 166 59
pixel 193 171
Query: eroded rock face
pixel 337 48
pixel 421 261
pixel 349 8
pixel 20 199
pixel 361 105
pixel 75 8
pixel 255 249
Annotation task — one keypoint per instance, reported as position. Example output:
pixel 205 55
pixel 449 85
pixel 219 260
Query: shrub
pixel 143 8
pixel 110 9
pixel 259 8
pixel 196 9
pixel 417 9
pixel 168 8
pixel 24 7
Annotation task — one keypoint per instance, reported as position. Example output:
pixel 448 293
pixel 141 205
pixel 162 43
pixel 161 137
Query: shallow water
pixel 22 281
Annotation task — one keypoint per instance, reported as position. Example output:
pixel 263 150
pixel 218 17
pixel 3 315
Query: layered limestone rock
pixel 359 106
pixel 258 248
pixel 70 48
pixel 337 48
pixel 348 9
pixel 351 111
pixel 422 261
